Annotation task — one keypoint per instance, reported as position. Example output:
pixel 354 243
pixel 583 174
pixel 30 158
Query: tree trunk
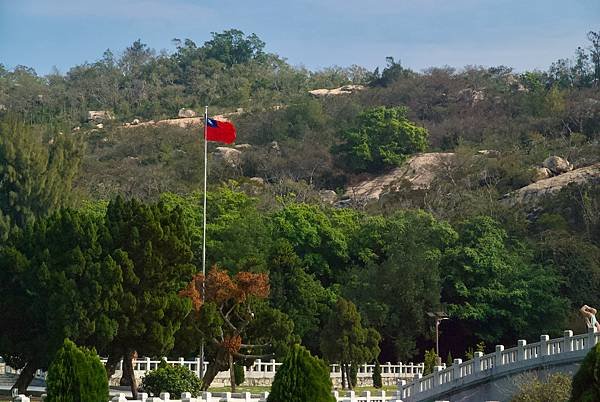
pixel 349 377
pixel 128 377
pixel 221 363
pixel 25 377
pixel 231 373
pixel 111 364
pixel 343 370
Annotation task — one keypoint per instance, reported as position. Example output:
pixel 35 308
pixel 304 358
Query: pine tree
pixel 301 378
pixel 76 375
pixel 377 381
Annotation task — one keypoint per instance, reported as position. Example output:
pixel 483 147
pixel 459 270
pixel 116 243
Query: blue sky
pixel 525 34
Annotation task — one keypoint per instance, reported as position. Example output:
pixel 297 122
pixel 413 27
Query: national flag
pixel 220 131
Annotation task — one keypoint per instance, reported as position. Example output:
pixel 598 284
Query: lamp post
pixel 438 316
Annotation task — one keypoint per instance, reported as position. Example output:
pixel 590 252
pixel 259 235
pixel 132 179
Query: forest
pixel 101 222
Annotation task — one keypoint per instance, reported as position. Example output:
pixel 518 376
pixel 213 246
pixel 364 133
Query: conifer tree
pixel 301 378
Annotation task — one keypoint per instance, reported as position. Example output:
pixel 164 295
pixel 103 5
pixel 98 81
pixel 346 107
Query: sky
pixel 523 34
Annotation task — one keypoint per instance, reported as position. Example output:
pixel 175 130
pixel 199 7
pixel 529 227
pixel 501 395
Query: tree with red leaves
pixel 222 317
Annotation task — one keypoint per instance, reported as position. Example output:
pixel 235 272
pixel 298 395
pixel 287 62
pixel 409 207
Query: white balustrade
pixel 522 357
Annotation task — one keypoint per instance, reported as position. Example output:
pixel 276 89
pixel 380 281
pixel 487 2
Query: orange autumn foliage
pixel 221 288
pixel 232 344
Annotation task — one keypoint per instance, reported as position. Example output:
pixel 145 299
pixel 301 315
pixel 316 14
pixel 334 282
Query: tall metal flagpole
pixel 204 229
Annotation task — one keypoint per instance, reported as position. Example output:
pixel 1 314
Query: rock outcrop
pixel 343 90
pixel 418 172
pixel 557 165
pixel 230 156
pixel 535 192
pixel 99 115
pixel 184 112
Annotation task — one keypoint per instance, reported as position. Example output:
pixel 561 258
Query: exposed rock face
pixel 418 172
pixel 99 115
pixel 471 96
pixel 328 196
pixel 541 173
pixel 243 146
pixel 183 112
pixel 557 165
pixel 533 193
pixel 230 156
pixel 343 90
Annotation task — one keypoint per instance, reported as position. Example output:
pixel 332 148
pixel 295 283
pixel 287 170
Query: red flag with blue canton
pixel 220 131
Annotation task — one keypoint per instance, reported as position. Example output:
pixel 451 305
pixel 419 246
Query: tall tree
pixel 344 340
pixel 493 285
pixel 36 173
pixel 151 246
pixel 223 316
pixel 56 284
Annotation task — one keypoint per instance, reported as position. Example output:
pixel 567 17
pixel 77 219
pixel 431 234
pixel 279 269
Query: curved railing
pixel 522 357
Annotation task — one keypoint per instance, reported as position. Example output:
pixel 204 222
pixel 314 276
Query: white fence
pixel 546 352
pixel 350 396
pixel 262 373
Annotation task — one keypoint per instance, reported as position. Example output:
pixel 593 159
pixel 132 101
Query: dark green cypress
pixel 377 382
pixel 76 375
pixel 301 378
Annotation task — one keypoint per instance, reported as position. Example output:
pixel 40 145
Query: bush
pixel 76 375
pixel 586 384
pixel 301 378
pixel 171 379
pixel 239 373
pixel 377 383
pixel 556 388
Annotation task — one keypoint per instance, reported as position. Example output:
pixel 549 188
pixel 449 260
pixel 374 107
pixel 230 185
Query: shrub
pixel 76 375
pixel 239 373
pixel 556 388
pixel 171 379
pixel 586 384
pixel 377 383
pixel 353 375
pixel 429 361
pixel 301 378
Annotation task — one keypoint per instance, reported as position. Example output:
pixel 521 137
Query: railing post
pixel 273 365
pixel 436 375
pixel 247 397
pixel 521 349
pixel 477 362
pixel 119 398
pixel 198 368
pixel 456 369
pixel 352 396
pixel 335 394
pixel 143 396
pixel 568 342
pixel 165 396
pixel 207 396
pixel 498 355
pixel 544 345
pixel 257 365
pixel 186 397
pixel 264 397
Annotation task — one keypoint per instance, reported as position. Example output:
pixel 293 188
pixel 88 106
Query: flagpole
pixel 204 230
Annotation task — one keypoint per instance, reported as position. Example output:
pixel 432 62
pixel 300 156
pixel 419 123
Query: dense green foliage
pixel 172 379
pixel 383 137
pixel 301 378
pixel 345 341
pixel 554 388
pixel 586 386
pixel 76 375
pixel 35 177
pixel 109 273
pixel 377 382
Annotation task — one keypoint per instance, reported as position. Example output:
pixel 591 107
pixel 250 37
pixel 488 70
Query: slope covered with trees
pixel 101 226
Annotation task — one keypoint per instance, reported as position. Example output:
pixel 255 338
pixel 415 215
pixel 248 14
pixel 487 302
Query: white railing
pixel 240 397
pixel 264 371
pixel 519 358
